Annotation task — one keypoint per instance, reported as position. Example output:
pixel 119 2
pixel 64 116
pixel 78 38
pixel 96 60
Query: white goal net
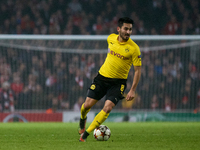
pixel 38 73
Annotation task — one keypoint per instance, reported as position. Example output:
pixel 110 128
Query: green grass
pixel 124 136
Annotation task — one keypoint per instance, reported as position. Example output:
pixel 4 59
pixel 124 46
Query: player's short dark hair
pixel 123 20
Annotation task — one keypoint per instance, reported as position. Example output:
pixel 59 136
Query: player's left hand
pixel 130 96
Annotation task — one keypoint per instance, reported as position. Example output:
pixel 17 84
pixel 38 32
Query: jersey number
pixel 122 89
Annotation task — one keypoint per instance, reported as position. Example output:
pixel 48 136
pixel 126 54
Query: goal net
pixel 53 73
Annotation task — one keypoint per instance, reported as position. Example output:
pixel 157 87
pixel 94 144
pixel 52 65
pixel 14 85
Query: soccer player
pixel 112 76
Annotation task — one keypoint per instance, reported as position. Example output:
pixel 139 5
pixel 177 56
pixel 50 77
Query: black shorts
pixel 112 88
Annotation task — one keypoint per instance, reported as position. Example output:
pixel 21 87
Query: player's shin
pixel 98 120
pixel 83 119
pixel 84 112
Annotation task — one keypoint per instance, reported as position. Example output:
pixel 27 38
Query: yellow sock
pixel 98 120
pixel 84 112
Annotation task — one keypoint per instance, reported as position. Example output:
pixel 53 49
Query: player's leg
pixel 96 91
pixel 114 94
pixel 85 108
pixel 99 119
pixel 101 116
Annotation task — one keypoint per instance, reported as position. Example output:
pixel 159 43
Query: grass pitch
pixel 124 136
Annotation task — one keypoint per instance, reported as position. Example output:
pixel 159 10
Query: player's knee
pixel 107 109
pixel 87 106
pixel 89 103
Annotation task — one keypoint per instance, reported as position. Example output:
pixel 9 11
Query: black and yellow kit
pixel 111 80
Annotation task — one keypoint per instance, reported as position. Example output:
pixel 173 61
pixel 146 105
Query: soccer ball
pixel 102 133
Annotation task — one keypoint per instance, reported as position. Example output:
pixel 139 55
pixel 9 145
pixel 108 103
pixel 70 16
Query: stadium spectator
pixel 79 78
pixel 141 29
pixel 167 105
pixel 27 24
pixel 17 86
pixel 98 26
pixel 25 97
pixel 184 103
pixel 172 26
pixel 7 101
pixel 158 66
pixel 63 98
pixel 50 79
pixel 38 98
pixel 154 105
pixel 5 72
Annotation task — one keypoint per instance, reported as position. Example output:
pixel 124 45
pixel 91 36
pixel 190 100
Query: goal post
pixel 53 72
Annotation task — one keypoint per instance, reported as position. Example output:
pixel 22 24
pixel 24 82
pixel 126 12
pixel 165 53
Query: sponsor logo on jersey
pixel 118 55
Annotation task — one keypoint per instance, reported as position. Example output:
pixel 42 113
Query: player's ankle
pixel 82 123
pixel 85 135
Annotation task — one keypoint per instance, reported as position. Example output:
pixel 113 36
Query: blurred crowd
pixel 170 81
pixel 43 80
pixel 99 16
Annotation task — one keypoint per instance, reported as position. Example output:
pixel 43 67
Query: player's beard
pixel 124 36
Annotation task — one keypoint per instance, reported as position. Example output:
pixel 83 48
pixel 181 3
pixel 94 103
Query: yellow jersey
pixel 120 57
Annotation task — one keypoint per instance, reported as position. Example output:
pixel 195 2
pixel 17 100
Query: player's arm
pixel 131 93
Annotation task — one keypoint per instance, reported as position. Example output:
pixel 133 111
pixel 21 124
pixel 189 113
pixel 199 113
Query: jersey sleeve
pixel 110 37
pixel 137 57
